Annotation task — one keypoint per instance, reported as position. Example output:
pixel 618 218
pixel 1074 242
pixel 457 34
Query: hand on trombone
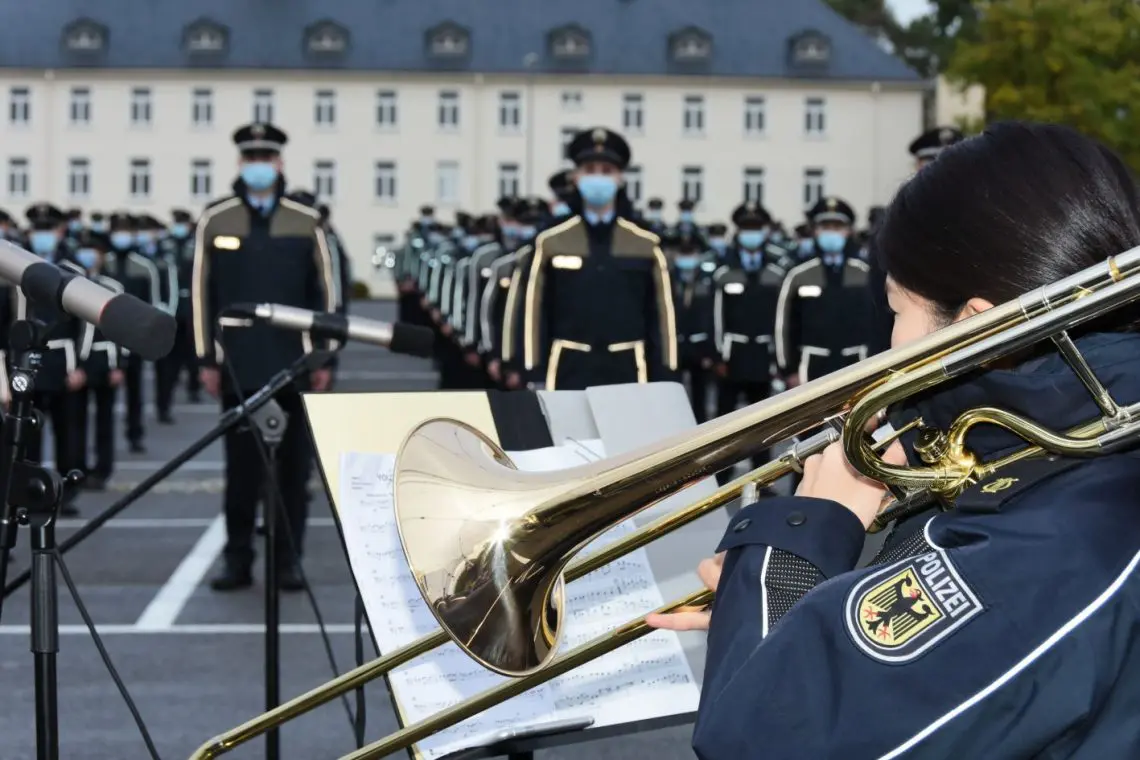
pixel 826 476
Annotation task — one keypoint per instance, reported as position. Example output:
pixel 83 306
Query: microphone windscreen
pixel 413 340
pixel 138 326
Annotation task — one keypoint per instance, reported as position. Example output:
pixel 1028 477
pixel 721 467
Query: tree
pixel 1074 62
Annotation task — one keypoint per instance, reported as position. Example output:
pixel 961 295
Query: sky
pixel 906 10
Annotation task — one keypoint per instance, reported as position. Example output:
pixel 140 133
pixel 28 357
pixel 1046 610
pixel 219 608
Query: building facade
pixel 829 113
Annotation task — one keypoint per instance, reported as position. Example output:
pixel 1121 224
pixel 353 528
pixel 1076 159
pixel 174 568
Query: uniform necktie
pixel 594 218
pixel 751 260
pixel 833 261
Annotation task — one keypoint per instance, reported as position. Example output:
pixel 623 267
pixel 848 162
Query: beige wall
pixel 863 151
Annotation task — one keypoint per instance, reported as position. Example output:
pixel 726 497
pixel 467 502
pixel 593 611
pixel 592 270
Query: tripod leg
pixel 45 641
pixel 272 602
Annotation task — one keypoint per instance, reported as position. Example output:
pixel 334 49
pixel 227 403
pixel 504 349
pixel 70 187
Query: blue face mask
pixel 122 240
pixel 99 227
pixel 687 217
pixel 752 239
pixel 653 215
pixel 597 190
pixel 87 258
pixel 831 242
pixel 777 236
pixel 426 221
pixel 806 247
pixel 561 209
pixel 470 243
pixel 44 242
pixel 526 233
pixel 720 245
pixel 686 263
pixel 458 234
pixel 258 175
pixel 75 225
pixel 180 230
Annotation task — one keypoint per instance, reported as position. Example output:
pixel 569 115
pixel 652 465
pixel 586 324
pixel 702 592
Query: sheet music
pixel 645 679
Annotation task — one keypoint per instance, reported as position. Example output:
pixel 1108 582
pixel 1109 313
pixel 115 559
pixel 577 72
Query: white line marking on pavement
pixel 175 522
pixel 167 604
pixel 206 629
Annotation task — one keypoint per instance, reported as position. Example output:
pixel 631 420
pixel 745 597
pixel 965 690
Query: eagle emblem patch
pixel 901 611
pixel 258 131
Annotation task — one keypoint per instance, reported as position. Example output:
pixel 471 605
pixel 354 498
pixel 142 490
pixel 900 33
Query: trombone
pixel 497 588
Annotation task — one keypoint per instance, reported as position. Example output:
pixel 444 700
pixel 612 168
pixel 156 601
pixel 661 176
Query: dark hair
pixel 1015 208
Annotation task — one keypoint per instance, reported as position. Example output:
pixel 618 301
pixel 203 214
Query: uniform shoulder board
pixel 990 493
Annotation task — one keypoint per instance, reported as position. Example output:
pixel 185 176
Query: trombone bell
pixel 487 567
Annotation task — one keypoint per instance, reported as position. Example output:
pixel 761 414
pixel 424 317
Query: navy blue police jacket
pixel 1007 627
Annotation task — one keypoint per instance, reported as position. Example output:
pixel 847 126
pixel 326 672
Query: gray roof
pixel 749 38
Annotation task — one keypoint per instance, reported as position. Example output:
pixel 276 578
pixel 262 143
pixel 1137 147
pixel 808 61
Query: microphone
pixel 399 338
pixel 122 318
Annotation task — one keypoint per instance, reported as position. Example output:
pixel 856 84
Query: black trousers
pixel 165 376
pixel 698 381
pixel 104 428
pixel 245 481
pixel 133 380
pixel 183 358
pixel 728 393
pixel 59 408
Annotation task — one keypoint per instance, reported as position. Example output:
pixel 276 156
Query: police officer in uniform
pixel 564 193
pixel 67 342
pixel 598 300
pixel 259 246
pixel 926 147
pixel 717 239
pixel 154 246
pixel 825 319
pixel 178 247
pixel 693 270
pixel 654 218
pixel 747 289
pixel 686 219
pixel 104 374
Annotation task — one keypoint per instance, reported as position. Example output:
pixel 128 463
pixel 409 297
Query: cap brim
pixel 604 156
pixel 252 145
pixel 928 152
pixel 832 216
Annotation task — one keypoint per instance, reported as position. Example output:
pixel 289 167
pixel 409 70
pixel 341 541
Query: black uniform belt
pixel 559 346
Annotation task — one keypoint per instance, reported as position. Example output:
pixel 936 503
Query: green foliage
pixel 1074 62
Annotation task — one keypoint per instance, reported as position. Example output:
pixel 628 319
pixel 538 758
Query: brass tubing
pixel 370 671
pixel 591 650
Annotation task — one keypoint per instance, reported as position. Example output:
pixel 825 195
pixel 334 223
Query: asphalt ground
pixel 192 658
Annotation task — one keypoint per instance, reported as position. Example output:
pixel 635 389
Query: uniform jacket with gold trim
pixel 599 286
pixel 104 355
pixel 243 255
pixel 744 316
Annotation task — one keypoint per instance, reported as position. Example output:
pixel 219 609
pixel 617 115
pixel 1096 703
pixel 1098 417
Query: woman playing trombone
pixel 1006 627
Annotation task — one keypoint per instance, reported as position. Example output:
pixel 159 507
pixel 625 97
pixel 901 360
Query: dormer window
pixel 811 49
pixel 326 38
pixel 570 42
pixel 205 37
pixel 448 40
pixel 690 45
pixel 85 36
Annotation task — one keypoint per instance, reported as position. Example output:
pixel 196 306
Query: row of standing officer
pixel 597 298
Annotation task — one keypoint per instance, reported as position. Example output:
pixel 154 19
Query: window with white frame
pixel 815 119
pixel 324 178
pixel 508 180
pixel 79 109
pixel 814 186
pixel 78 177
pixel 633 184
pixel 201 179
pixel 448 116
pixel 692 183
pixel 386 113
pixel 694 114
pixel 202 107
pixel 386 181
pixel 510 111
pixel 141 106
pixel 263 106
pixel 139 180
pixel 567 137
pixel 18 180
pixel 754 185
pixel 754 115
pixel 632 112
pixel 572 100
pixel 447 182
pixel 324 108
pixel 19 105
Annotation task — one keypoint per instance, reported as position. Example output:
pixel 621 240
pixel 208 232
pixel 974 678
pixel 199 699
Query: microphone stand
pixel 269 423
pixel 229 420
pixel 33 495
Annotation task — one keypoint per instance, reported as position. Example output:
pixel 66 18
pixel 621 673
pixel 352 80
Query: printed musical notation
pixel 648 678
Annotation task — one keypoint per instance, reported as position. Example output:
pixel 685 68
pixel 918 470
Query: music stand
pixel 622 417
